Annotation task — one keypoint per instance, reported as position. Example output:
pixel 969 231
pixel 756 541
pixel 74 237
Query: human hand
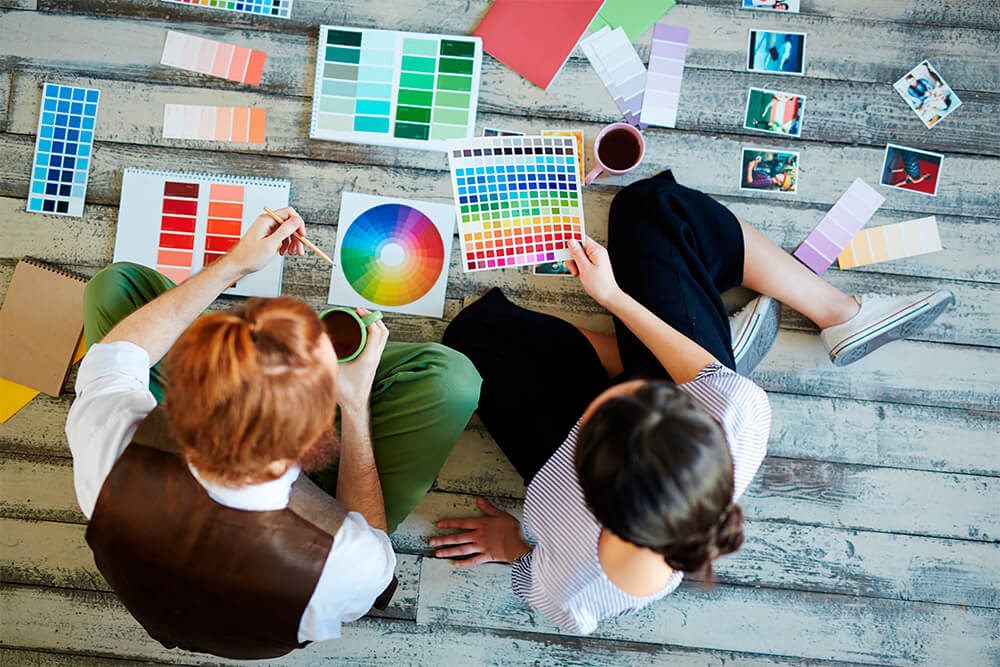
pixel 495 537
pixel 355 378
pixel 593 266
pixel 266 237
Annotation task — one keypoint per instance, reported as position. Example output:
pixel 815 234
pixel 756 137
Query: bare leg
pixel 606 346
pixel 770 270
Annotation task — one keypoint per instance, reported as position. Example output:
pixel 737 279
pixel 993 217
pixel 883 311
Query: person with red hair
pixel 190 468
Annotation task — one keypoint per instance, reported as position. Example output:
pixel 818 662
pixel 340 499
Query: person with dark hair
pixel 636 446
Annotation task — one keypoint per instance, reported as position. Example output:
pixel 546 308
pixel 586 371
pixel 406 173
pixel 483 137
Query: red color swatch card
pixel 535 37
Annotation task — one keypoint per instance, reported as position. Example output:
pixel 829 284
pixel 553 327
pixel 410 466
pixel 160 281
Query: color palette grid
pixel 225 220
pixel 618 65
pixel 63 145
pixel 178 223
pixel 207 56
pixel 281 9
pixel 395 88
pixel 663 81
pixel 518 199
pixel 903 239
pixel 175 253
pixel 839 226
pixel 576 134
pixel 192 121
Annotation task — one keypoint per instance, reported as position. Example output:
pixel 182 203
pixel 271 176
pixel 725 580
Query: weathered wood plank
pixel 718 35
pixel 808 492
pixel 838 111
pixel 818 559
pixel 97 624
pixel 132 113
pixel 5 81
pixel 813 625
pixel 984 15
pixel 19 4
pixel 49 554
pixel 23 658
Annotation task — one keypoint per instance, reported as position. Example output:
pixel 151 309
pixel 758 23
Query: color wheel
pixel 392 254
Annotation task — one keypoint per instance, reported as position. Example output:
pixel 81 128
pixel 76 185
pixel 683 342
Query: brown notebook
pixel 40 324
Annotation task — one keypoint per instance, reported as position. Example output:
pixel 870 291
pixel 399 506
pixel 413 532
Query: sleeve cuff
pixel 118 358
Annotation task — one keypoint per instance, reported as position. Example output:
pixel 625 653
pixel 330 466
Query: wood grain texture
pixel 813 558
pixel 96 623
pixel 856 629
pixel 837 111
pixel 977 14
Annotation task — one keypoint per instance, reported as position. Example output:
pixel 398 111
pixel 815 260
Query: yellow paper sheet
pixel 14 396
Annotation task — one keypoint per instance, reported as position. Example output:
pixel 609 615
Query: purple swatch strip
pixel 663 79
pixel 841 224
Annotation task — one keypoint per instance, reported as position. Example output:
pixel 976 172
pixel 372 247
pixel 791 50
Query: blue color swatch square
pixel 62 149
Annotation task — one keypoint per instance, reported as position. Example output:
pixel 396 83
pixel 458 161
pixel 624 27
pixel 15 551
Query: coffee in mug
pixel 348 331
pixel 619 149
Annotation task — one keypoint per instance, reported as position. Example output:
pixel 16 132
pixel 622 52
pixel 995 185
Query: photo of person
pixel 911 169
pixel 775 112
pixel 791 6
pixel 769 169
pixel 930 97
pixel 776 52
pixel 551 269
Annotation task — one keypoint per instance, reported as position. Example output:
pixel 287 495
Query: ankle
pixel 841 312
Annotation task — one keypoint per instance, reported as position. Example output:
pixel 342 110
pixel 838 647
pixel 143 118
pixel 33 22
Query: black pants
pixel 673 249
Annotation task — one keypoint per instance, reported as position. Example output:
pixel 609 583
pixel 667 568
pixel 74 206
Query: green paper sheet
pixel 635 16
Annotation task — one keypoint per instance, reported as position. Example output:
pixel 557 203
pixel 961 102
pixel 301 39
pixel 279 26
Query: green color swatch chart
pixel 393 88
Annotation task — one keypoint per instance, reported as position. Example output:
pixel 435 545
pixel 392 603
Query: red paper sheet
pixel 535 37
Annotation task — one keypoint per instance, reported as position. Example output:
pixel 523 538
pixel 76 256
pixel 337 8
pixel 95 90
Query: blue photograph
pixel 776 52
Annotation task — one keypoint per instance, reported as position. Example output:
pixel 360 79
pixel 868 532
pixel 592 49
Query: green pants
pixel 423 396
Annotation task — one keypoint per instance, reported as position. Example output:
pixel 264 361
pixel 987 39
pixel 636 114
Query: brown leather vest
pixel 201 576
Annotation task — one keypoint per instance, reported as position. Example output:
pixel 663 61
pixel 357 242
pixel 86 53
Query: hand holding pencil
pixel 297 235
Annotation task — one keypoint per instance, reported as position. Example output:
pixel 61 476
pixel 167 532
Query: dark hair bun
pixel 698 551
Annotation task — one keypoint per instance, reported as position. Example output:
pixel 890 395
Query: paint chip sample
pixel 903 239
pixel 663 81
pixel 839 226
pixel 281 9
pixel 620 69
pixel 207 56
pixel 191 121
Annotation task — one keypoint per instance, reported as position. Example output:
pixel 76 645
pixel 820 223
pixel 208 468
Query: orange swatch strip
pixel 189 121
pixel 206 56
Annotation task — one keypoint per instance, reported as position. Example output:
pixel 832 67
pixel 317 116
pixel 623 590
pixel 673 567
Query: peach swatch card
pixel 206 56
pixel 192 121
pixel 903 239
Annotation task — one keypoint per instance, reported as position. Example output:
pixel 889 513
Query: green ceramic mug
pixel 348 330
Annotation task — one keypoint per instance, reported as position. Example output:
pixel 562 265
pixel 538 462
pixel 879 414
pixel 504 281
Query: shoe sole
pixel 760 336
pixel 908 322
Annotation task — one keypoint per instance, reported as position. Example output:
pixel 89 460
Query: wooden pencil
pixel 299 236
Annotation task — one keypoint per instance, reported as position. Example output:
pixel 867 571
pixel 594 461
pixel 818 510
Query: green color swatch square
pixel 455 65
pixel 460 48
pixel 414 114
pixel 411 131
pixel 418 81
pixel 454 82
pixel 415 98
pixel 448 99
pixel 418 64
pixel 337 54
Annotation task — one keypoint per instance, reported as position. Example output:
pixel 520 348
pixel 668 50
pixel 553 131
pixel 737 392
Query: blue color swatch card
pixel 63 149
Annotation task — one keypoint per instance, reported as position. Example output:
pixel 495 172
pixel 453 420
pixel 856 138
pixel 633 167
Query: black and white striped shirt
pixel 562 577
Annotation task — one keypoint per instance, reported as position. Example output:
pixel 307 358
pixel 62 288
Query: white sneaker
pixel 754 329
pixel 883 319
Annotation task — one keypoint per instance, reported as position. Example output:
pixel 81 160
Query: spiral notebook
pixel 40 325
pixel 178 223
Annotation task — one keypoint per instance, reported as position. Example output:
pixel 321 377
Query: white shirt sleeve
pixel 112 397
pixel 529 574
pixel 357 570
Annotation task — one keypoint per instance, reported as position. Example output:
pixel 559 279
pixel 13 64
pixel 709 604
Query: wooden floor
pixel 872 527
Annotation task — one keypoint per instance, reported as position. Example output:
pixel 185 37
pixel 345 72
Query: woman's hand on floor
pixel 495 537
pixel 593 266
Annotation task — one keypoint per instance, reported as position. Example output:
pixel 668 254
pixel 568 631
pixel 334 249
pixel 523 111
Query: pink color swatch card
pixel 663 80
pixel 839 226
pixel 622 72
pixel 206 56
pixel 192 121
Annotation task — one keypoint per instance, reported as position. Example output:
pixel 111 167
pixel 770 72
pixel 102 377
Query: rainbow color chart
pixel 518 199
pixel 392 254
pixel 178 223
pixel 281 9
pixel 390 88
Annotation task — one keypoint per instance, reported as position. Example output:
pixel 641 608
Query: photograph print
pixel 791 6
pixel 930 97
pixel 776 52
pixel 775 112
pixel 769 169
pixel 911 169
